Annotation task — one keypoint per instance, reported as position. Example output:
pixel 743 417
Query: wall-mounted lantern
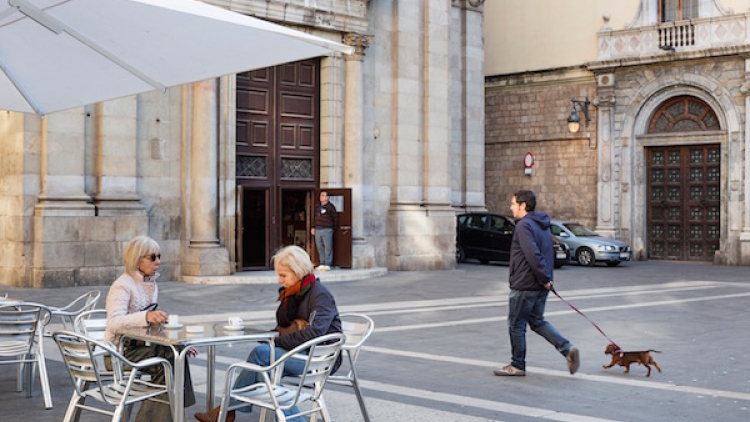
pixel 574 122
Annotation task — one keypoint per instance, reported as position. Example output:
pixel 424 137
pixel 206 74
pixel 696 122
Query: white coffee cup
pixel 235 321
pixel 173 319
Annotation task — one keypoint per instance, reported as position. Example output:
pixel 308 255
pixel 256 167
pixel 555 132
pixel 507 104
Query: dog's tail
pixel 652 350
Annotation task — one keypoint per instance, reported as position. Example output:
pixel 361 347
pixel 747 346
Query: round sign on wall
pixel 528 160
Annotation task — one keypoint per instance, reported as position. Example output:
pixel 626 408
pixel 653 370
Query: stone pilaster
pixel 745 234
pixel 331 121
pixel 467 100
pixel 205 255
pixel 363 253
pixel 115 165
pixel 62 204
pixel 606 183
pixel 421 223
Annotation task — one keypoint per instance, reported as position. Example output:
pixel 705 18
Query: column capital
pixel 360 42
pixel 476 5
pixel 604 100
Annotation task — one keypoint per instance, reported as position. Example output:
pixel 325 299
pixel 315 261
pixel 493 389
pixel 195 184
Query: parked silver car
pixel 588 248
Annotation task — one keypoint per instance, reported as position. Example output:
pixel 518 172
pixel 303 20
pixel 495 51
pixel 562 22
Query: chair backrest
pixel 321 356
pixel 357 329
pixel 91 323
pixel 83 363
pixel 19 326
pixel 82 303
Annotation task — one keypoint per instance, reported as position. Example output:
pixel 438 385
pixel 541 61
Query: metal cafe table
pixel 182 338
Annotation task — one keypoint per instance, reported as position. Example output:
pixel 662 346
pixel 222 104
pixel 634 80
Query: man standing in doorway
pixel 326 221
pixel 530 275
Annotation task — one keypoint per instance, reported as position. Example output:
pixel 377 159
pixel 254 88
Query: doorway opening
pixel 254 243
pixel 295 225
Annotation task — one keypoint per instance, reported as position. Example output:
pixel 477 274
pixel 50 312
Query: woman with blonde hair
pixel 132 302
pixel 306 311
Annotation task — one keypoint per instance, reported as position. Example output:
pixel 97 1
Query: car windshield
pixel 580 230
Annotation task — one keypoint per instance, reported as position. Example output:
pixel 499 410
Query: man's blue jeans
pixel 324 243
pixel 261 355
pixel 527 306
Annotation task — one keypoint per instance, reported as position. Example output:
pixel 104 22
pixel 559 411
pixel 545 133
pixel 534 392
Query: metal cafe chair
pixel 269 394
pixel 69 312
pixel 21 327
pixel 357 328
pixel 118 390
pixel 91 323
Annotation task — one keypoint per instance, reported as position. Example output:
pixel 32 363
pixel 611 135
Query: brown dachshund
pixel 628 358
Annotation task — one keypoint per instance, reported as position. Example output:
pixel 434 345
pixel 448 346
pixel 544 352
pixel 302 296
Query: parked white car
pixel 587 247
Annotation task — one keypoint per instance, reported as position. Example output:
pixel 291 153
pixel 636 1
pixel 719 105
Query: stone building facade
pixel 526 113
pixel 400 123
pixel 670 167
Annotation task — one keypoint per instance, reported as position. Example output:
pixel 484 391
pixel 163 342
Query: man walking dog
pixel 530 276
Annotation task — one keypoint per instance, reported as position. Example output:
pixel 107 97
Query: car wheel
pixel 460 255
pixel 613 264
pixel 585 257
pixel 558 265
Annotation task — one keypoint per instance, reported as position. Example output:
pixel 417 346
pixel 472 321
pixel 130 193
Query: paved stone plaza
pixel 439 334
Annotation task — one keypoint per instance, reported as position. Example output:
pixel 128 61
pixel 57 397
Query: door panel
pixel 277 150
pixel 683 202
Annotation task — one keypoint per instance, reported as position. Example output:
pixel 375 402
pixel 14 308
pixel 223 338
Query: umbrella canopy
pixel 59 54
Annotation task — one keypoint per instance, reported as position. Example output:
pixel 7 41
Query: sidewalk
pixel 269 277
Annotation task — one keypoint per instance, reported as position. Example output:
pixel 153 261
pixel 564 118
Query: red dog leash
pixel 552 288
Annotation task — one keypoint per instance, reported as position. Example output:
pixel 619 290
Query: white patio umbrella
pixel 59 54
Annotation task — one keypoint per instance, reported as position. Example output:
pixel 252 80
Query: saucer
pixel 194 328
pixel 234 327
pixel 171 326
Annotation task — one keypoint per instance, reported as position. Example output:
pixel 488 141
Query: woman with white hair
pixel 306 311
pixel 132 302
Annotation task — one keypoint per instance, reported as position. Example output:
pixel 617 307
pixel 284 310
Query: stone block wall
pixel 528 113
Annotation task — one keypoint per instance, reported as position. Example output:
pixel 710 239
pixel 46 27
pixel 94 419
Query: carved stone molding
pixel 359 42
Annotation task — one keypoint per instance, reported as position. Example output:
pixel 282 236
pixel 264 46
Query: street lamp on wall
pixel 574 121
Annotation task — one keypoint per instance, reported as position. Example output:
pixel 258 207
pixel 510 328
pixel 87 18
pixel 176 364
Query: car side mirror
pixel 563 234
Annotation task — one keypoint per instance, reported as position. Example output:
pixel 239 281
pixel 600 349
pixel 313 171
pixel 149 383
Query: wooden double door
pixel 277 158
pixel 684 202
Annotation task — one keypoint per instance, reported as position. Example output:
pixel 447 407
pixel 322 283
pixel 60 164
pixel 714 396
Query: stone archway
pixel 636 140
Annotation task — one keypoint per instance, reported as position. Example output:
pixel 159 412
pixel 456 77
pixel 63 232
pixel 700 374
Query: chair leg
pixel 323 409
pixel 44 381
pixel 117 415
pixel 74 412
pixel 30 372
pixel 280 416
pixel 19 375
pixel 360 397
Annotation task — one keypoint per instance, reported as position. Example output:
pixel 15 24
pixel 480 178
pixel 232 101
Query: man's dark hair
pixel 527 197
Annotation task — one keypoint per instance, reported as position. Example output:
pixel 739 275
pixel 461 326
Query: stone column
pixel 745 234
pixel 62 203
pixel 606 183
pixel 363 254
pixel 116 160
pixel 205 255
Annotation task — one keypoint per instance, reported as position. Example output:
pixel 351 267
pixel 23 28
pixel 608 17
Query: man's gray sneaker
pixel 509 371
pixel 574 360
